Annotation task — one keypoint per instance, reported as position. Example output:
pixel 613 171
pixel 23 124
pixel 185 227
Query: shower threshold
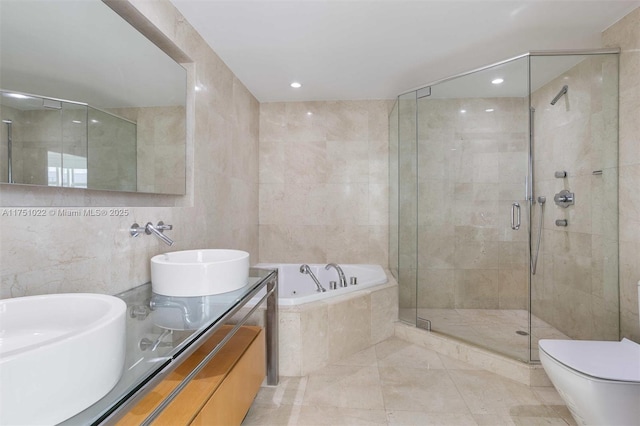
pixel 494 329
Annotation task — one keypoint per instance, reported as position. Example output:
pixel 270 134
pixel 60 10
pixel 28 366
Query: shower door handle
pixel 515 216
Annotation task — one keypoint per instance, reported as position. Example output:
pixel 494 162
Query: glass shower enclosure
pixel 503 202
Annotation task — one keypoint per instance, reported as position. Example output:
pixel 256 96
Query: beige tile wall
pixel 324 182
pixel 626 35
pixel 471 167
pixel 111 152
pixel 575 287
pixel 160 159
pixel 406 167
pixel 32 139
pixel 8 113
pixel 55 253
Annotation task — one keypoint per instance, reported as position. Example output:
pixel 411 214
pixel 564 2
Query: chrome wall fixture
pixel 560 93
pixel 564 198
pixel 149 228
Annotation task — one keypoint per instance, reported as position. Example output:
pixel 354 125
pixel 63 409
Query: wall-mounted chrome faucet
pixel 564 198
pixel 343 279
pixel 304 269
pixel 149 229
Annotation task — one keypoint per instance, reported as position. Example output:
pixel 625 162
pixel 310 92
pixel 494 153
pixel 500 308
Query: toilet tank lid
pixel 600 359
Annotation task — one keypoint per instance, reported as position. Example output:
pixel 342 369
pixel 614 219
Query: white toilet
pixel 599 381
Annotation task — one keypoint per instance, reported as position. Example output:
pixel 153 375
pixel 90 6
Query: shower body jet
pixel 560 93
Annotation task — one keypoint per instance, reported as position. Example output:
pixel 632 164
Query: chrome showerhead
pixel 542 199
pixel 560 93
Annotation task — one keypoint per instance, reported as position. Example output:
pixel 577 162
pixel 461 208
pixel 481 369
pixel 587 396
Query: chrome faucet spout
pixel 157 231
pixel 343 279
pixel 304 269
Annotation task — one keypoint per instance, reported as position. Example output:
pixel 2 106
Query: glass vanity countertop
pixel 156 337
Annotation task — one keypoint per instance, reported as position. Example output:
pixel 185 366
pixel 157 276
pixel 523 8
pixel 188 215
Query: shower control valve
pixel 564 198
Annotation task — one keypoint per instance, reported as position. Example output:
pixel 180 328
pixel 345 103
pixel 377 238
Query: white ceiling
pixel 362 49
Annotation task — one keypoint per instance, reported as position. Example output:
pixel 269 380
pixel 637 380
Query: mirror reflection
pixel 87 101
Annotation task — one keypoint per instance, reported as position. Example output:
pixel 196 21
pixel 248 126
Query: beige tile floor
pixel 398 383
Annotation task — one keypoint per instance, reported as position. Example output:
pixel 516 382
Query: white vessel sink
pixel 192 273
pixel 59 354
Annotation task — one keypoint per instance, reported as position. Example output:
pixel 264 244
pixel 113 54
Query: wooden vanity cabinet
pixel 220 394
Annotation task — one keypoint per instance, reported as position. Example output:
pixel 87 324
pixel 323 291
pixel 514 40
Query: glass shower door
pixel 473 208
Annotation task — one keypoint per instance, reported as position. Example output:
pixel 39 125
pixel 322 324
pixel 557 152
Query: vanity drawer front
pixel 238 369
pixel 231 401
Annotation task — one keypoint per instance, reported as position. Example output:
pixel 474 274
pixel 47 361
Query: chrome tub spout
pixel 343 279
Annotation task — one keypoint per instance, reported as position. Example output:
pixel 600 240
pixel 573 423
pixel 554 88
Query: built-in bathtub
pixel 296 288
pixel 318 328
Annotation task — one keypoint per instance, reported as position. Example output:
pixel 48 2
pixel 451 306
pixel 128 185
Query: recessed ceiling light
pixel 497 81
pixel 76 121
pixel 309 113
pixel 463 111
pixel 489 110
pixel 296 85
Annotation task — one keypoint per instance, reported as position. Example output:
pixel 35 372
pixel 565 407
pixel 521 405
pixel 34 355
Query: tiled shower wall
pixel 626 35
pixel 159 159
pixel 111 152
pixel 324 182
pixel 575 287
pixel 471 167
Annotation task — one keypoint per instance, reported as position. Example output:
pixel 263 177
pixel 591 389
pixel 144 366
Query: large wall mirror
pixel 87 101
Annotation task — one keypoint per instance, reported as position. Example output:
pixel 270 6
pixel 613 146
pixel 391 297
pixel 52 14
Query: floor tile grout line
pixel 455 384
pixel 384 402
pixel 298 402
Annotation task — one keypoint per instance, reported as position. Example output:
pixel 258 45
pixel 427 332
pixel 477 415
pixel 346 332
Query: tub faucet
pixel 343 279
pixel 304 269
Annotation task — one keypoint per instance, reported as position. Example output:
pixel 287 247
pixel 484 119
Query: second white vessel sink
pixel 59 354
pixel 193 273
